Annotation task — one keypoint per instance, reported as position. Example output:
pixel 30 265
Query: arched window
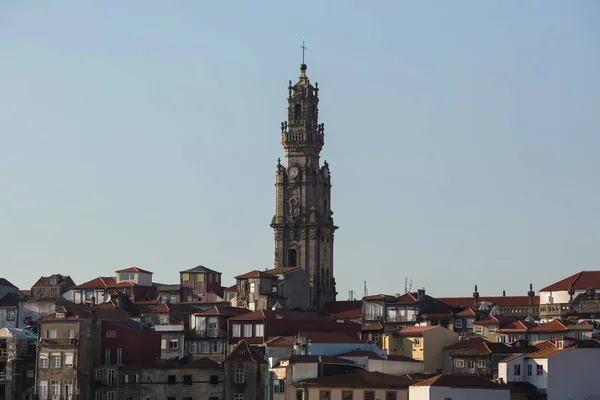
pixel 297 111
pixel 292 258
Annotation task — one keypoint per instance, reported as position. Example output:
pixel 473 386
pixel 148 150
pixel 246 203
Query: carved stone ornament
pixel 303 234
pixel 313 233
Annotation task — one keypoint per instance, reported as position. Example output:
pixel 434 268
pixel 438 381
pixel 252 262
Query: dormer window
pixel 127 276
pixel 560 344
pixel 54 280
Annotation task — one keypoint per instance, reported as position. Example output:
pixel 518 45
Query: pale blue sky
pixel 463 137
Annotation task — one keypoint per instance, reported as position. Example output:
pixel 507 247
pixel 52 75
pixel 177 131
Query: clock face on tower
pixel 293 172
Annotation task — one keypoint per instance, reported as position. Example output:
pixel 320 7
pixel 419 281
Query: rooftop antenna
pixel 406 285
pixel 351 295
pixel 410 286
pixel 366 291
pixel 303 47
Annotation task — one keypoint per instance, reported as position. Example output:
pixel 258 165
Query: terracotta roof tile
pixel 282 270
pixel 377 297
pixel 226 311
pixel 552 326
pixel 300 358
pixel 26 293
pixel 199 269
pixel 469 343
pixel 350 314
pixel 407 298
pixel 104 282
pixel 134 269
pixel 232 288
pixel 468 312
pixel 413 331
pixel 518 326
pixel 360 379
pixel 580 281
pixel 44 281
pixel 244 353
pixel 459 381
pixel 402 358
pixel 377 326
pixel 256 274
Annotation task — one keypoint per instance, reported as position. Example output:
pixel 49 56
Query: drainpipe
pixel 320 373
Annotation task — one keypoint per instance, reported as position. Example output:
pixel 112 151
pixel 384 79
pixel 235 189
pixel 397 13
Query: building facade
pixel 303 220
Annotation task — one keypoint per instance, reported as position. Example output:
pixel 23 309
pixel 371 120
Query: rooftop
pixel 411 331
pixel 360 379
pixel 499 300
pixel 459 381
pixel 134 269
pixel 199 269
pixel 244 353
pixel 580 281
pixel 256 274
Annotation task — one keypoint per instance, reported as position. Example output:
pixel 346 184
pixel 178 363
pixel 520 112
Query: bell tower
pixel 303 221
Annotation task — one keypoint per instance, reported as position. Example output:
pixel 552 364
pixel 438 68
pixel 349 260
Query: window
pixel 214 379
pixel 251 306
pixel 299 394
pixel 259 330
pixel 540 370
pixel 55 361
pixel 107 356
pixel 239 375
pixel 111 333
pixel 172 379
pixel 560 344
pixel 417 342
pixel 324 394
pixel 111 377
pixel 10 315
pixel 204 347
pixel 192 347
pixel 470 323
pixel 279 386
pixel 187 379
pixel 44 360
pixel 391 396
pixel 126 277
pixel 471 364
pixel 292 258
pixel 459 363
pixel 213 325
pixel 517 370
pixel 215 346
pixel 238 396
pixel 68 389
pixel 478 329
pixel 43 390
pixel 252 287
pixel 119 356
pixel 458 324
pixel 369 395
pixel 68 360
pixel 529 370
pixel 30 374
pixel 185 277
pixel 99 395
pixel 172 298
pixel 492 329
pixel 210 278
pixel 481 364
pixel 51 334
pixel 99 374
pixel 173 344
pixel 347 394
pixel 71 333
pixel 110 396
pixel 247 330
pixel 236 330
pixel 55 388
pixel 163 344
pixel 200 277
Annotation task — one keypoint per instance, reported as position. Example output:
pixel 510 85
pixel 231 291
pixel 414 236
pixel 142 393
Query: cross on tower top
pixel 303 47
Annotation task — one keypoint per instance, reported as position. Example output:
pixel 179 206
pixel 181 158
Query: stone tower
pixel 303 221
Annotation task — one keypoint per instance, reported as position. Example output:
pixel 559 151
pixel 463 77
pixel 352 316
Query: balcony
pixel 60 342
pixel 209 333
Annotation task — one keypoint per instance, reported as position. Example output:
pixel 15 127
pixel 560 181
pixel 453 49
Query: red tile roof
pixel 282 270
pixel 74 312
pixel 414 331
pixel 350 314
pixel 333 307
pixel 406 298
pixel 298 358
pixel 134 269
pixel 26 293
pixel 232 288
pixel 402 358
pixel 553 326
pixel 103 282
pixel 460 381
pixel 499 300
pixel 376 297
pixel 469 312
pixel 360 379
pixel 467 344
pixel 226 311
pixel 580 281
pixel 244 353
pixel 517 326
pixel 44 281
pixel 377 326
pixel 544 345
pixel 256 274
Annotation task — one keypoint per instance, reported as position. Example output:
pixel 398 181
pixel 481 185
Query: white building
pixel 458 387
pixel 562 372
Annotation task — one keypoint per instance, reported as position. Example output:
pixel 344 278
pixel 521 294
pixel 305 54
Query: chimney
pixel 321 373
pixel 421 294
pixel 504 293
pixel 93 300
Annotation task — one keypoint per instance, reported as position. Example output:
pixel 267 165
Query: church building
pixel 303 221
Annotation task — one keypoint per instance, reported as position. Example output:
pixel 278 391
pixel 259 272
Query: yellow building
pixel 357 385
pixel 488 328
pixel 423 343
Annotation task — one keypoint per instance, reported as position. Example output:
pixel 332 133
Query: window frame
pixel 239 375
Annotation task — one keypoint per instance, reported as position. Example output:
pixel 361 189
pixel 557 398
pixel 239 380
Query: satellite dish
pixel 106 298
